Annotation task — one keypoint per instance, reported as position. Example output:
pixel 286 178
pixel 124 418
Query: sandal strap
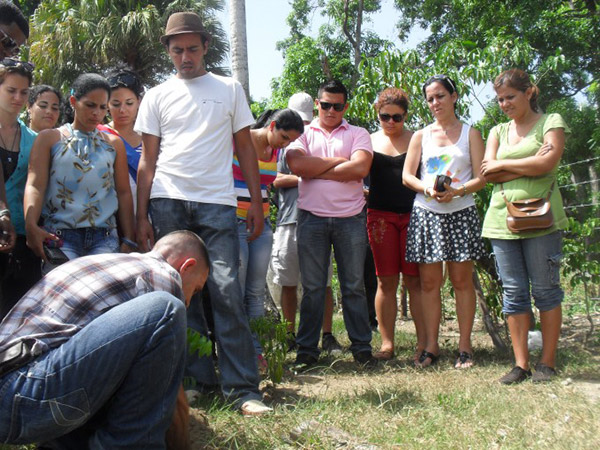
pixel 463 357
pixel 425 354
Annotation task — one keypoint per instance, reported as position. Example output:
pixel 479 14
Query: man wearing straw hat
pixel 188 124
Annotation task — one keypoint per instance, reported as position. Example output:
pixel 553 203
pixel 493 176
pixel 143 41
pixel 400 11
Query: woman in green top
pixel 521 159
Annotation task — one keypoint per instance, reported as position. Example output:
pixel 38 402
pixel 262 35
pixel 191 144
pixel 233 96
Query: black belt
pixel 16 356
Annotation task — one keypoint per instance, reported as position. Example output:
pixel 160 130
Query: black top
pixel 9 162
pixel 387 193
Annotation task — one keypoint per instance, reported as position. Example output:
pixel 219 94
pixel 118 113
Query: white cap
pixel 303 104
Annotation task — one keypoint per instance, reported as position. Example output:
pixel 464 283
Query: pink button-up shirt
pixel 328 198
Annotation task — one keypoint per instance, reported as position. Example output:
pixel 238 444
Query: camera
pixel 440 180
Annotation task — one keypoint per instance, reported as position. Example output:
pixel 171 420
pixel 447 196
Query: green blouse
pixel 494 224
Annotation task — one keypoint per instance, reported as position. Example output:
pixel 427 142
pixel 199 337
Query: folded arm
pixel 284 180
pixel 306 166
pixel 353 170
pixel 544 161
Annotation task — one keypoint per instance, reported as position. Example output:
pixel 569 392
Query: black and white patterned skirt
pixel 434 237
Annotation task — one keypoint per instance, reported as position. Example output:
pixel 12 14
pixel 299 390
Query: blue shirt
pixel 81 186
pixel 15 185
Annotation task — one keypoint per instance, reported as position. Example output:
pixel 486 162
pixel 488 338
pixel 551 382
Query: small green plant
pixel 273 340
pixel 198 343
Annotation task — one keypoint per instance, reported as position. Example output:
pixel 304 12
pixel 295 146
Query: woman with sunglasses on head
pixel 43 107
pixel 78 182
pixel 273 130
pixel 126 91
pixel 19 269
pixel 522 158
pixel 444 225
pixel 389 205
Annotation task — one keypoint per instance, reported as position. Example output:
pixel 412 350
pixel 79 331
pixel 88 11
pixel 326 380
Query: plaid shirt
pixel 77 292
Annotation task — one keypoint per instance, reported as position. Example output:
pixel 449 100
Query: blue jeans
pixel 348 236
pixel 111 385
pixel 254 263
pixel 526 265
pixel 79 242
pixel 217 226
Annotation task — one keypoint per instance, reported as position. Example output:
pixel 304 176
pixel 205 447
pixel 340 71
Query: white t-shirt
pixel 195 120
pixel 451 160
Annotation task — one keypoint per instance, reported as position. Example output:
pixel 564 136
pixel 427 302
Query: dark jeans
pixel 348 237
pixel 217 226
pixel 19 271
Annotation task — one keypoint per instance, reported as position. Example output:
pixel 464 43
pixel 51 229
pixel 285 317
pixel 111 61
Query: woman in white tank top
pixel 444 224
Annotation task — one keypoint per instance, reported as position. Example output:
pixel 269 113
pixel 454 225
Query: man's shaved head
pixel 182 244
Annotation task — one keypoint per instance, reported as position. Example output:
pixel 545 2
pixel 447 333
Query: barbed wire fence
pixel 584 261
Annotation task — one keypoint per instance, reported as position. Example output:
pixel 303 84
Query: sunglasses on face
pixel 395 117
pixel 8 62
pixel 336 106
pixel 9 44
pixel 127 80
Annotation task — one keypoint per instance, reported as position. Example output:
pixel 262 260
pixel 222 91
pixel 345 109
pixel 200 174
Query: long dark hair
pixel 285 119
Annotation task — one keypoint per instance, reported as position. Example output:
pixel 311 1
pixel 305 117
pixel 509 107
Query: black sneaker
pixel 365 359
pixel 516 375
pixel 543 373
pixel 330 345
pixel 304 361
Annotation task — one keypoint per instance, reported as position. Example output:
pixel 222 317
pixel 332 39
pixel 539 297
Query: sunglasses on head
pixel 440 77
pixel 9 44
pixel 127 80
pixel 337 106
pixel 8 62
pixel 395 117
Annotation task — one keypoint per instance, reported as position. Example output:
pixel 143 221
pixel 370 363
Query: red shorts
pixel 387 236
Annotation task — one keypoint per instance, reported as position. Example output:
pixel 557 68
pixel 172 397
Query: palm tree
pixel 72 37
pixel 239 43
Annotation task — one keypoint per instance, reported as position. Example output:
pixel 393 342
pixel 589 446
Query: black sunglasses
pixel 9 62
pixel 9 44
pixel 395 117
pixel 127 80
pixel 337 106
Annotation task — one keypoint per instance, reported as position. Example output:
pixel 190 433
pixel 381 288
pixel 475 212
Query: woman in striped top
pixel 273 130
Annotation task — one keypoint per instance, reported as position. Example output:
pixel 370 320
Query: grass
pixel 396 406
pixel 337 405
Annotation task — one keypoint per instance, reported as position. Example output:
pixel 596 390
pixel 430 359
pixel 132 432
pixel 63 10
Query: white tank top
pixel 451 160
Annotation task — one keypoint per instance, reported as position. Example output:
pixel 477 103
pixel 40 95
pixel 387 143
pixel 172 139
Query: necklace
pixel 11 149
pixel 450 128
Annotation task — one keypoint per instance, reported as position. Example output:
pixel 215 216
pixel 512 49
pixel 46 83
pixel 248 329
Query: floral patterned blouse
pixel 81 186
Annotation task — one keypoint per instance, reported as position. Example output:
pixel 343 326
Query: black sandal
pixel 463 357
pixel 424 356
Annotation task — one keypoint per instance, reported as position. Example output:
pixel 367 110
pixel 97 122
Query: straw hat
pixel 182 23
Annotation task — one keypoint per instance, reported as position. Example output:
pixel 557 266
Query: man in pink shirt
pixel 331 158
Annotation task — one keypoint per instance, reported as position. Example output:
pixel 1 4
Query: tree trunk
pixel 239 44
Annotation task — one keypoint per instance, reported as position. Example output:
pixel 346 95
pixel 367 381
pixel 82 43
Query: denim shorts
pixel 529 268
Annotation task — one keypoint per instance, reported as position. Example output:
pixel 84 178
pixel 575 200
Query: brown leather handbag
pixel 529 214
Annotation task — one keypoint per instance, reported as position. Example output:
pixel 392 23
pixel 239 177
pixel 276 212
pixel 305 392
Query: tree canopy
pixel 72 37
pixel 566 28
